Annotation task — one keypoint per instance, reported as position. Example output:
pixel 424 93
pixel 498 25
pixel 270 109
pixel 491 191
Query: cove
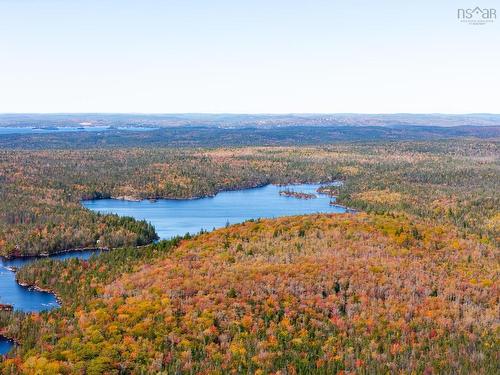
pixel 24 298
pixel 5 345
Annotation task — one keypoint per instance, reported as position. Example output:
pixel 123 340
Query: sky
pixel 253 56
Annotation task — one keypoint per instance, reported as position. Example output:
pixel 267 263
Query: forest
pixel 409 283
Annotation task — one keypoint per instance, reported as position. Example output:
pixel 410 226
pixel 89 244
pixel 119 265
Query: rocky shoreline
pixel 48 255
pixel 347 209
pixel 39 289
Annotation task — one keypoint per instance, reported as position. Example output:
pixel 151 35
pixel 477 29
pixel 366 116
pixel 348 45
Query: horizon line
pixel 255 113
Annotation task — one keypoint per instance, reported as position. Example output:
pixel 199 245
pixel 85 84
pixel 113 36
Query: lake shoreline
pixel 348 210
pixel 49 255
pixel 11 339
pixel 12 343
pixel 41 290
pixel 133 198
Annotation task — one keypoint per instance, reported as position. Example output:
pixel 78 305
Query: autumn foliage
pixel 407 285
pixel 324 293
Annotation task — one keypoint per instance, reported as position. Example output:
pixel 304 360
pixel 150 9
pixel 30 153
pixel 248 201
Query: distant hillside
pixel 249 120
pixel 210 136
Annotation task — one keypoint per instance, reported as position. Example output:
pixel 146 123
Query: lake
pixel 171 218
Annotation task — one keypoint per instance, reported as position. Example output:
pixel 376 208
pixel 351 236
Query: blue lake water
pixel 5 345
pixel 177 217
pixel 62 129
pixel 25 299
pixel 171 218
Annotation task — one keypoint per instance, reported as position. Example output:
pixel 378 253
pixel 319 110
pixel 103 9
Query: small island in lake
pixel 295 194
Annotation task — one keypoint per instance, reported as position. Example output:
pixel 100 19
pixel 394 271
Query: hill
pixel 325 293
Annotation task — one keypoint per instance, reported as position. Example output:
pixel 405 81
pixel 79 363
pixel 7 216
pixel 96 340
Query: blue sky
pixel 246 56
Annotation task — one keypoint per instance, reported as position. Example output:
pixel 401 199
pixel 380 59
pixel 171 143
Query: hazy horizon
pixel 277 57
pixel 257 113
